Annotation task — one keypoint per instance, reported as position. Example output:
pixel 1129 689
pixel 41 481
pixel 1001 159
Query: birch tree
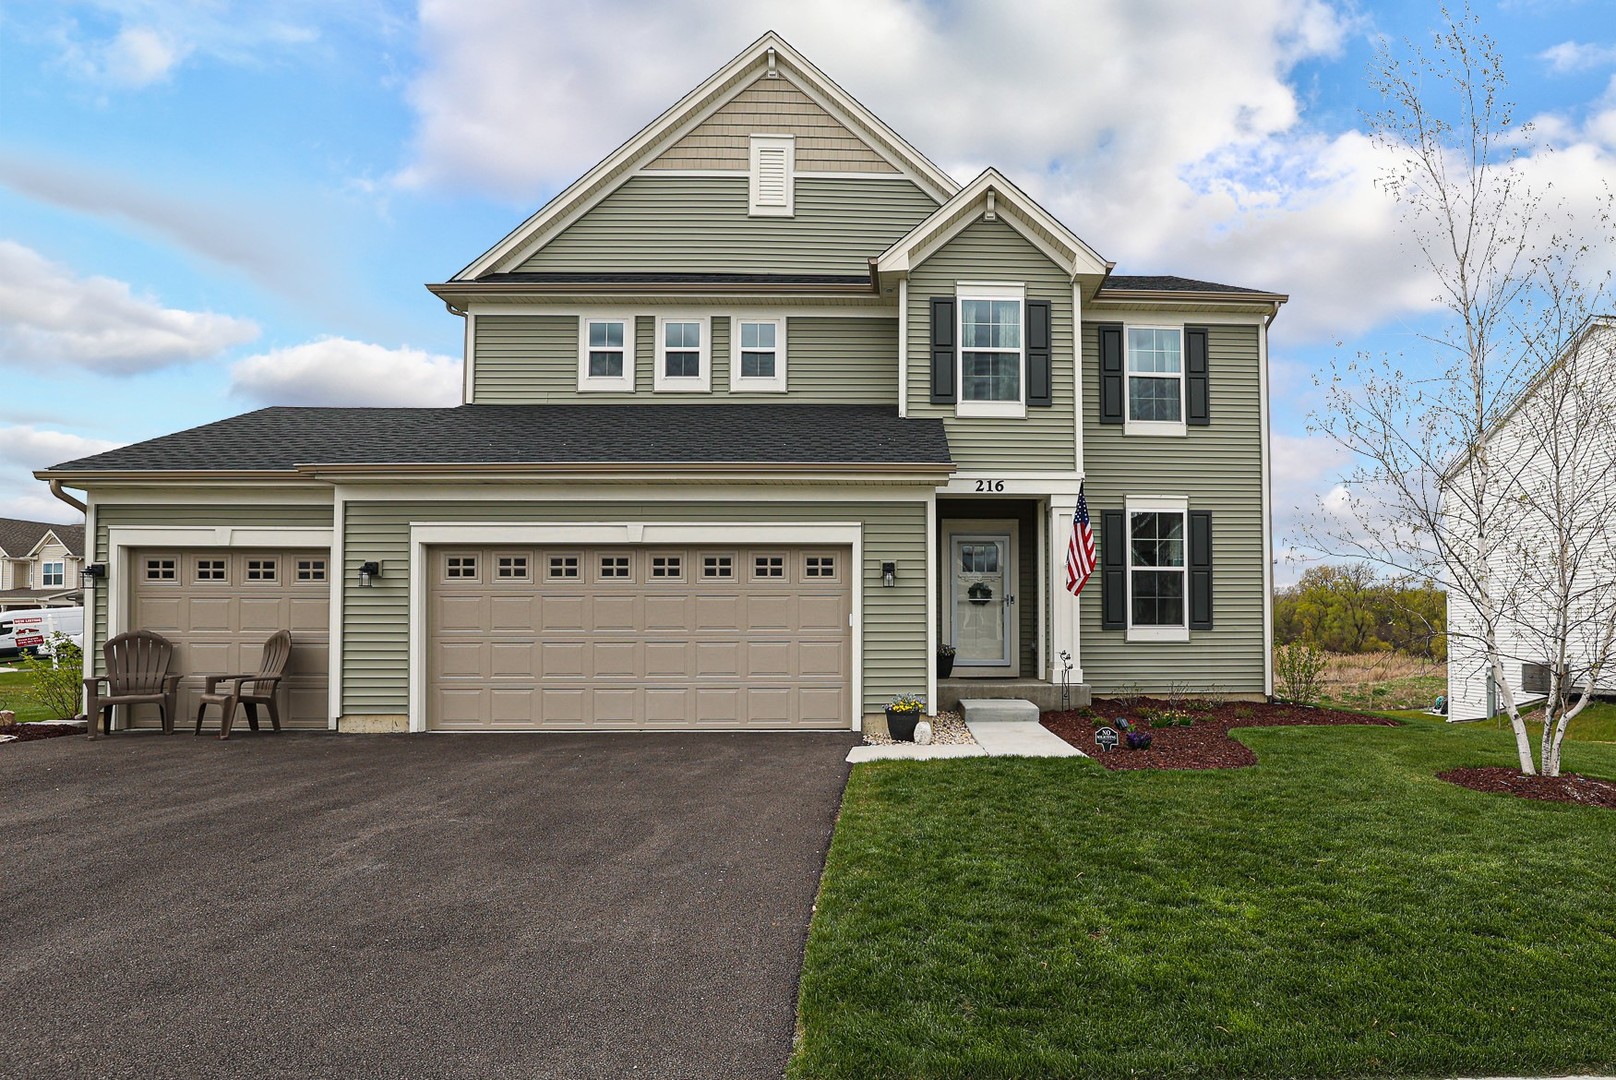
pixel 1482 459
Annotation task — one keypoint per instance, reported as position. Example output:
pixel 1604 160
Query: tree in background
pixel 1511 527
pixel 1350 609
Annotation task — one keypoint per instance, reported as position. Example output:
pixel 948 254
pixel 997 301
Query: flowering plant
pixel 907 703
pixel 945 650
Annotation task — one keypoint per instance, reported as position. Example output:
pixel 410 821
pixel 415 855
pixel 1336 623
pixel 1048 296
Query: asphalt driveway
pixel 409 906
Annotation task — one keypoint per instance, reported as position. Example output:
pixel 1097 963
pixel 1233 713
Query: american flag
pixel 1080 551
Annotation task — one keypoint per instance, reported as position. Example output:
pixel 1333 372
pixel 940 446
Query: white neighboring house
pixel 1555 447
pixel 41 564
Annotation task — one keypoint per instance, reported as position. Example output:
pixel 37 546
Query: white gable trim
pixel 769 52
pixel 992 191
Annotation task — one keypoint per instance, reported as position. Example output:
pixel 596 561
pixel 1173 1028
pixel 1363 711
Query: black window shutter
pixel 1113 572
pixel 1112 386
pixel 1200 570
pixel 1039 372
pixel 1197 390
pixel 942 350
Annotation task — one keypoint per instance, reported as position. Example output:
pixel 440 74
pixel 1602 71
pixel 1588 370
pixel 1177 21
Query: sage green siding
pixel 181 515
pixel 375 661
pixel 700 224
pixel 1046 439
pixel 533 359
pixel 1218 468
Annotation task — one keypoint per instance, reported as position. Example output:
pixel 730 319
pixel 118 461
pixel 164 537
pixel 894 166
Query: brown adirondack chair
pixel 137 674
pixel 249 691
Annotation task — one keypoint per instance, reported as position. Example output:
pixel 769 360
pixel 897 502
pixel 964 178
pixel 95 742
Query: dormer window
pixel 990 351
pixel 773 167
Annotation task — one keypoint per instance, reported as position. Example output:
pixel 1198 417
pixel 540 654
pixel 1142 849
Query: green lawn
pixel 16 694
pixel 1333 911
pixel 1596 723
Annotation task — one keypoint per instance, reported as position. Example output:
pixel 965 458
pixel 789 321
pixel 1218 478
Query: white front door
pixel 981 584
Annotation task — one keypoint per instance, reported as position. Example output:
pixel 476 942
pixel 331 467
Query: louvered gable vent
pixel 773 169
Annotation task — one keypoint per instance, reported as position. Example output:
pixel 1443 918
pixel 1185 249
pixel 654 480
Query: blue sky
pixel 205 208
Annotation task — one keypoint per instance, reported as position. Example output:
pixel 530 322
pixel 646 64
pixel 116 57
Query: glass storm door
pixel 980 582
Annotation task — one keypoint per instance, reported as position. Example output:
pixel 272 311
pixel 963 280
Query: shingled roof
pixel 19 537
pixel 284 438
pixel 1170 283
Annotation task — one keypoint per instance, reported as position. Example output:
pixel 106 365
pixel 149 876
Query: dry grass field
pixel 1383 681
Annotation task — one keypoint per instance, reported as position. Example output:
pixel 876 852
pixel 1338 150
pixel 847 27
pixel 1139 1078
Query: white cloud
pixel 1573 56
pixel 268 255
pixel 154 38
pixel 24 448
pixel 340 371
pixel 50 316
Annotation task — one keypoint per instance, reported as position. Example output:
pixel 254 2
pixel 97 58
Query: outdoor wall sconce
pixel 95 571
pixel 889 571
pixel 369 571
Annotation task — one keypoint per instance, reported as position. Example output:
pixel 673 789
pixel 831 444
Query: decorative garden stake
pixel 1066 680
pixel 1106 739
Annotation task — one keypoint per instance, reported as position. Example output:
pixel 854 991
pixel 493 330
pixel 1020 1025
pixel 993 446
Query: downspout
pixel 56 490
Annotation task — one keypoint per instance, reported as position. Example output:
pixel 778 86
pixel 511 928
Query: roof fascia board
pixel 677 121
pixel 50 534
pixel 1010 203
pixel 657 471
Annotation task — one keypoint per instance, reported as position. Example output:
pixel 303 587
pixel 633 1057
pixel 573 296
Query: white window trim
pixel 755 144
pixel 45 574
pixel 989 290
pixel 588 383
pixel 700 384
pixel 1131 426
pixel 1162 504
pixel 740 384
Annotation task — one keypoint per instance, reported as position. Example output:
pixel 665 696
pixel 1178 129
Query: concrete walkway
pixel 994 738
pixel 1020 738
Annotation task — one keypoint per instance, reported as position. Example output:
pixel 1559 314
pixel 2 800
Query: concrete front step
pixel 998 710
pixel 1045 695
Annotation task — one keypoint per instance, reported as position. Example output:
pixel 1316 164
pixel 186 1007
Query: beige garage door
pixel 219 606
pixel 572 638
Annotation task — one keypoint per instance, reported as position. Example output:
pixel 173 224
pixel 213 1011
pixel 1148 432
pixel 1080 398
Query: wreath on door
pixel 980 592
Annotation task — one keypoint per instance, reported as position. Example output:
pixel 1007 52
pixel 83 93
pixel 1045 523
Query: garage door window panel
pixel 212 571
pixel 460 566
pixel 768 566
pixel 718 567
pixel 511 567
pixel 563 567
pixel 162 568
pixel 265 571
pixel 614 567
pixel 310 571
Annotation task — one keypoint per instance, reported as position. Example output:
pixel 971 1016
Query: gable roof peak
pixel 768 57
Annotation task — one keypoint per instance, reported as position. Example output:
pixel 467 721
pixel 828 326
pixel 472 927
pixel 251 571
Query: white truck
pixel 29 629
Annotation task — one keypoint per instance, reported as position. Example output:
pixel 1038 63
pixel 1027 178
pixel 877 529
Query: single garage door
pixel 698 637
pixel 219 606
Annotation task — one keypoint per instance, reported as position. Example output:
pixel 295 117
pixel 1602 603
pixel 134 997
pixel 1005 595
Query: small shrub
pixel 1244 712
pixel 1199 705
pixel 1165 718
pixel 58 678
pixel 1300 670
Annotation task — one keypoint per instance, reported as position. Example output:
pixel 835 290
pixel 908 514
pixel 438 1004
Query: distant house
pixel 40 564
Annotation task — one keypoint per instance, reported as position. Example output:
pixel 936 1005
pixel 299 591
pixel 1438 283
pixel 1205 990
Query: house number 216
pixel 990 485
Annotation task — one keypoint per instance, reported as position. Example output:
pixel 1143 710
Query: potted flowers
pixel 945 661
pixel 903 714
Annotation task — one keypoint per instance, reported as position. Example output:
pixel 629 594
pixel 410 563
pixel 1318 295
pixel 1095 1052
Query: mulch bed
pixel 1567 787
pixel 1203 745
pixel 35 732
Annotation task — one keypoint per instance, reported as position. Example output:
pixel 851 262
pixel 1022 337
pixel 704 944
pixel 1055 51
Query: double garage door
pixel 219 606
pixel 639 638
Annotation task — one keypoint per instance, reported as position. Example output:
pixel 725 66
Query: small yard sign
pixel 1106 738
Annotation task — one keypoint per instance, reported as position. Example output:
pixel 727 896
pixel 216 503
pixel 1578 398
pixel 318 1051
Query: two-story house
pixel 759 414
pixel 39 564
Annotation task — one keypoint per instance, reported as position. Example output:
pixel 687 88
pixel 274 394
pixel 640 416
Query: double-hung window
pixel 1155 380
pixel 682 356
pixel 758 360
pixel 991 350
pixel 606 352
pixel 52 574
pixel 1158 572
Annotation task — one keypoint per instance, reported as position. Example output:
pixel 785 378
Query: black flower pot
pixel 901 725
pixel 945 665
